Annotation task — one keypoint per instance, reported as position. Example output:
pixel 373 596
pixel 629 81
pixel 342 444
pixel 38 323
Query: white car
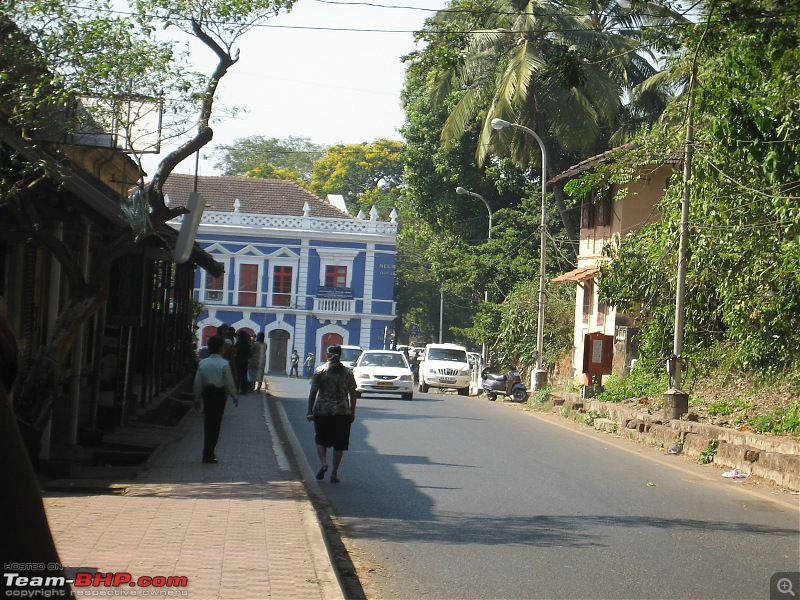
pixel 384 372
pixel 444 366
pixel 350 355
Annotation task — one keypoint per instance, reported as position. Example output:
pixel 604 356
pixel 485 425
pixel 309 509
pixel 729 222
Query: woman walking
pixel 242 357
pixel 258 360
pixel 332 408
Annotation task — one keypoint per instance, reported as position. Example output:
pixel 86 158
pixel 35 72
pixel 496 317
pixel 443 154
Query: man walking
pixel 308 365
pixel 213 383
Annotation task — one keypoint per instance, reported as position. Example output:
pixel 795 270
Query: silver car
pixel 384 372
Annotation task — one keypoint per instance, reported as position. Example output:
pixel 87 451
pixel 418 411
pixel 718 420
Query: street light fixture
pixel 539 374
pixel 465 192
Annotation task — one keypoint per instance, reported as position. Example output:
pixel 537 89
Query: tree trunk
pixel 46 375
pixel 569 226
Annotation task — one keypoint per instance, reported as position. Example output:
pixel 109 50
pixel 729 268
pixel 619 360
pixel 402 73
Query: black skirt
pixel 332 431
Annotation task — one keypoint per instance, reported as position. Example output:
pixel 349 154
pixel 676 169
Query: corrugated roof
pixel 256 196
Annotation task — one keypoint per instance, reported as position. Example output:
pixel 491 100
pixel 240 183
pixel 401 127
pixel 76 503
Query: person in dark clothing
pixel 332 408
pixel 25 536
pixel 294 361
pixel 213 383
pixel 241 355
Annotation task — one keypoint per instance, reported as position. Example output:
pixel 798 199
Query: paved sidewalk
pixel 241 529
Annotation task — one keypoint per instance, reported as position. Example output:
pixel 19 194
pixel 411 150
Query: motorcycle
pixel 510 384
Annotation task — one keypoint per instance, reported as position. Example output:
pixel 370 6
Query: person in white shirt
pixel 213 383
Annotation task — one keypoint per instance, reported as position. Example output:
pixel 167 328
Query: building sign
pixel 335 293
pixel 386 269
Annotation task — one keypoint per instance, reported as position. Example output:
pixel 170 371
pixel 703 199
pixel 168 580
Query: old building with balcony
pixel 605 341
pixel 297 267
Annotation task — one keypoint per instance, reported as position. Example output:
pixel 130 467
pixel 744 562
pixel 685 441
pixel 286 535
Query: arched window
pixel 208 331
pixel 329 339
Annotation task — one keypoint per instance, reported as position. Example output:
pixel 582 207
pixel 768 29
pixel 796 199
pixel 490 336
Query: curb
pixel 773 460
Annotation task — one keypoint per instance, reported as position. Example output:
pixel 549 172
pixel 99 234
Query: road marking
pixel 277 449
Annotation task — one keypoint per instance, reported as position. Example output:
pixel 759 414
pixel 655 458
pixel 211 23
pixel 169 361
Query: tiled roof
pixel 256 196
pixel 606 156
pixel 589 163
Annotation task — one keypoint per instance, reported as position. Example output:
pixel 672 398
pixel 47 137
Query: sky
pixel 329 71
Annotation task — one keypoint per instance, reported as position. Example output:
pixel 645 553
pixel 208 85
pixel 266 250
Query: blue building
pixel 298 268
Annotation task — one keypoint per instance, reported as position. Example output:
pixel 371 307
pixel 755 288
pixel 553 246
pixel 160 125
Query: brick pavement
pixel 242 529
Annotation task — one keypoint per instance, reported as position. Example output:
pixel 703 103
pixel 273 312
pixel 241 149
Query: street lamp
pixel 464 192
pixel 539 374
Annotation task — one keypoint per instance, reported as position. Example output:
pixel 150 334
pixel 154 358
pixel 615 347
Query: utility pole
pixel 676 401
pixel 441 312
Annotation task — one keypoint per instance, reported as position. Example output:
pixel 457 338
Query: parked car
pixel 444 366
pixel 350 355
pixel 384 372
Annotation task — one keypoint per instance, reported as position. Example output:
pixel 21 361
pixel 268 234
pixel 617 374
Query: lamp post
pixel 464 192
pixel 539 374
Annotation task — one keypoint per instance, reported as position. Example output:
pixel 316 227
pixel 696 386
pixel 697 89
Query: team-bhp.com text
pixel 84 583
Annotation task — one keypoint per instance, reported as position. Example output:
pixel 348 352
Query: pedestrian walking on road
pixel 294 361
pixel 332 408
pixel 308 365
pixel 258 360
pixel 213 383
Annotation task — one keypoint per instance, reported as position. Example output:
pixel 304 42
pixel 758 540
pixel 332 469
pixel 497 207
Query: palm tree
pixel 562 69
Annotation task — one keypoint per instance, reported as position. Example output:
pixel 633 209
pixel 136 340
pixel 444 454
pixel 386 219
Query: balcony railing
pixel 334 305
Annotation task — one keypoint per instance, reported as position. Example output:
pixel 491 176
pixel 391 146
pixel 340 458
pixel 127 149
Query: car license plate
pixel 446 380
pixel 385 383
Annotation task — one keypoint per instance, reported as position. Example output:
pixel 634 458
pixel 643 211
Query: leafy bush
pixel 709 452
pixel 781 420
pixel 639 382
pixel 721 408
pixel 590 416
pixel 542 395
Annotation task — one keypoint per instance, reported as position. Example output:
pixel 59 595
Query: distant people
pixel 213 383
pixel 294 361
pixel 414 365
pixel 308 365
pixel 332 408
pixel 258 361
pixel 226 332
pixel 241 356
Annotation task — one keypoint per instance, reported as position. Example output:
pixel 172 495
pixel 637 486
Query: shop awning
pixel 579 274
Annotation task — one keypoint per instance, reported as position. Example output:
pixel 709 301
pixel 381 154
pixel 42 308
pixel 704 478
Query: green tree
pixel 457 251
pixel 291 158
pixel 516 338
pixel 742 286
pixel 561 69
pixel 101 60
pixel 367 175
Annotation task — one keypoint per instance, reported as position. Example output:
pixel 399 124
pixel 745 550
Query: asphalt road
pixel 453 497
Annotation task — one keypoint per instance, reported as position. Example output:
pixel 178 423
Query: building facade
pixel 297 268
pixel 604 341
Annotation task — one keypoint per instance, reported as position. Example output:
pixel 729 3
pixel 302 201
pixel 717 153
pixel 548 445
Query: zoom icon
pixel 785 586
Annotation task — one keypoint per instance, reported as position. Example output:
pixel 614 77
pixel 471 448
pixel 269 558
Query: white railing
pixel 334 305
pixel 388 228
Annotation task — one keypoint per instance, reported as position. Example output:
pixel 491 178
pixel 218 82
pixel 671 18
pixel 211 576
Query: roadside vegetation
pixel 589 77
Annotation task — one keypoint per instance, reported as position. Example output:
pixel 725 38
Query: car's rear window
pixel 350 354
pixel 382 360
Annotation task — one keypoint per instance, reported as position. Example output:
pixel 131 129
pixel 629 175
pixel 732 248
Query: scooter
pixel 510 384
